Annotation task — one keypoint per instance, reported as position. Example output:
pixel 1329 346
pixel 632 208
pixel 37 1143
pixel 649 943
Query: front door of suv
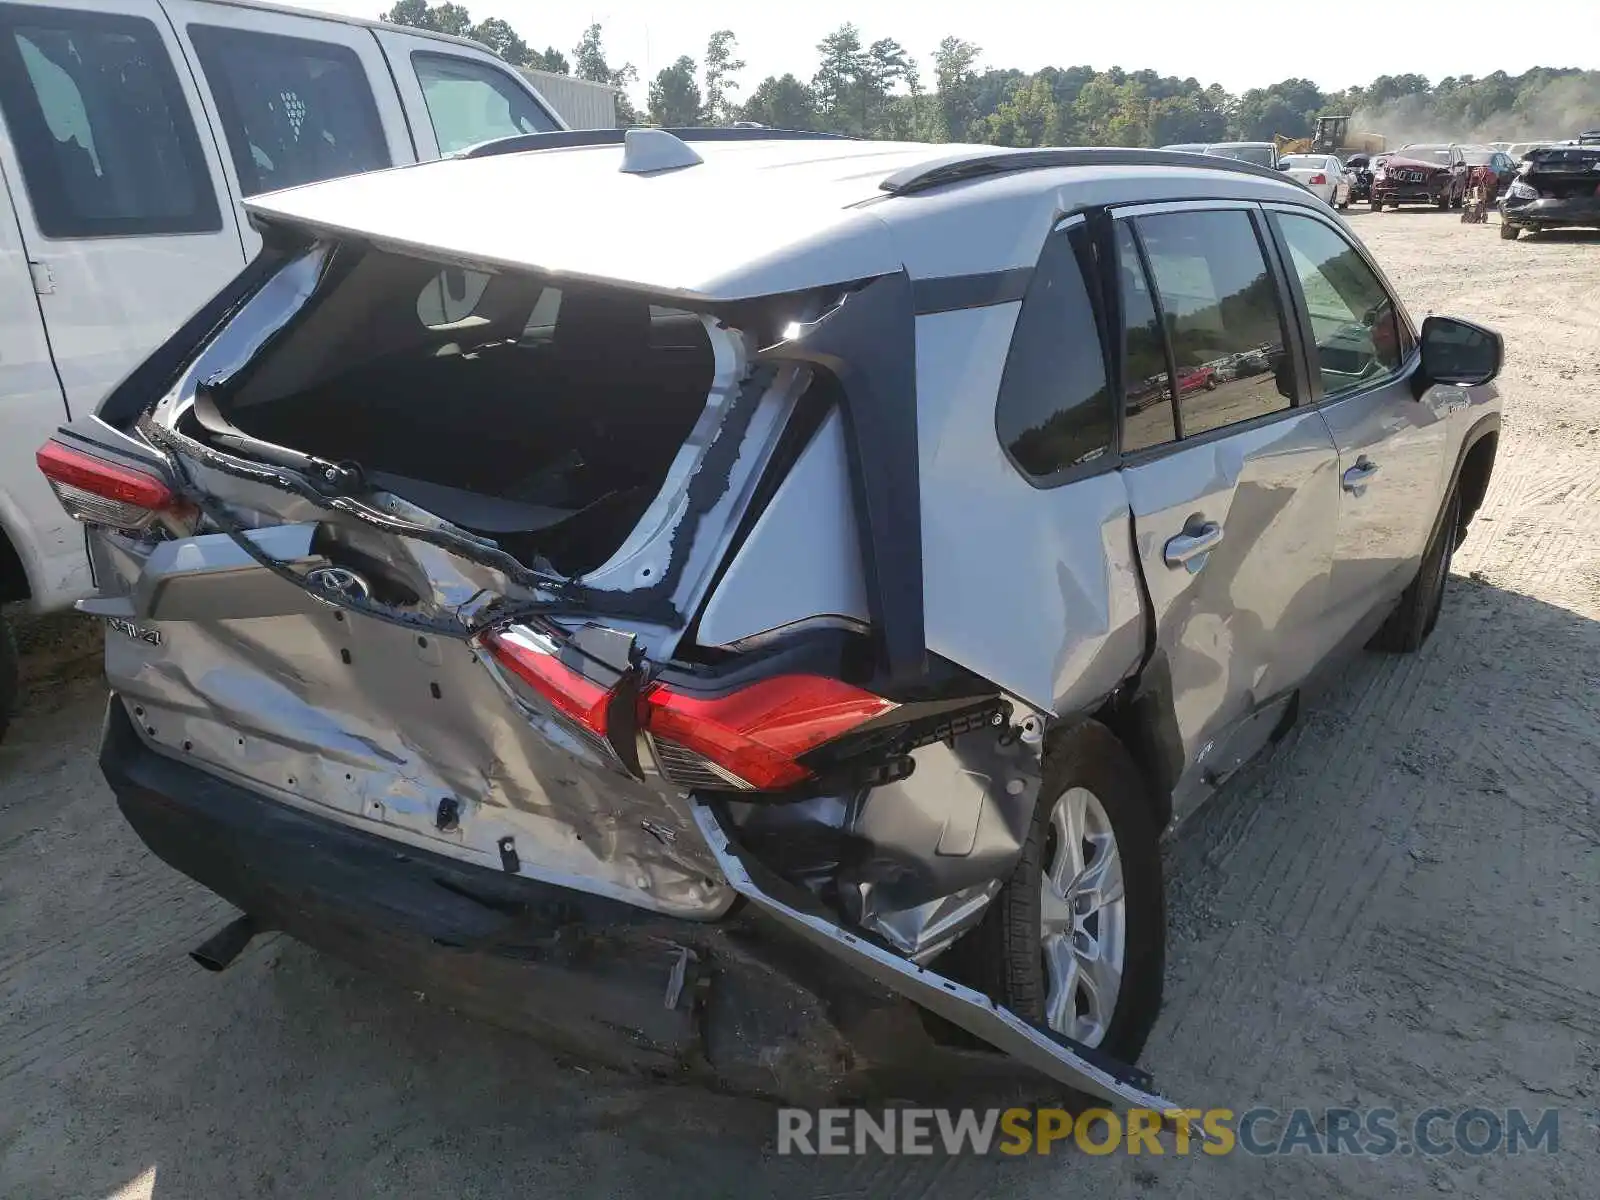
pixel 1233 484
pixel 1391 444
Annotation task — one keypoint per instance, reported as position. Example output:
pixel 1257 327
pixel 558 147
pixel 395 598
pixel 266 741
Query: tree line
pixel 876 89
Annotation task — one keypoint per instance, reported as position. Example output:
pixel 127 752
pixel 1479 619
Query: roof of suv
pixel 759 216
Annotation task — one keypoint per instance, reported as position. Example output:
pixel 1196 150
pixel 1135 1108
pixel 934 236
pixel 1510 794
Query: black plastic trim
pixel 952 293
pixel 869 345
pixel 957 168
pixel 566 139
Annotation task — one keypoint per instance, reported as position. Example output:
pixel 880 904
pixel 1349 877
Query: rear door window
pixel 1054 409
pixel 1147 418
pixel 101 126
pixel 1221 310
pixel 294 110
pixel 471 102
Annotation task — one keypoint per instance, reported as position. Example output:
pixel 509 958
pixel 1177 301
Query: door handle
pixel 1357 477
pixel 1189 548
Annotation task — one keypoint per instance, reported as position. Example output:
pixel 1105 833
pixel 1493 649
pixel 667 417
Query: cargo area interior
pixel 545 418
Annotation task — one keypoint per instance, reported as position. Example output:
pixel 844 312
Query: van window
pixel 101 126
pixel 294 110
pixel 471 102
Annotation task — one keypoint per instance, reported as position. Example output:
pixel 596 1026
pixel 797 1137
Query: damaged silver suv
pixel 746 606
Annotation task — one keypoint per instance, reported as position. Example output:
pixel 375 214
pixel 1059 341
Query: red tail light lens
pixel 757 734
pixel 99 492
pixel 1319 177
pixel 533 660
pixel 751 739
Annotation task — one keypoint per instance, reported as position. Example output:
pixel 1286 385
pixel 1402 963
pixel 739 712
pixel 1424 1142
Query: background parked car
pixel 1498 163
pixel 1420 174
pixel 1323 175
pixel 132 131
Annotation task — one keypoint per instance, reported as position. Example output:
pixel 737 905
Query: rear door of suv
pixel 1231 476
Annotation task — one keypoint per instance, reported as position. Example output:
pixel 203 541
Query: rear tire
pixel 10 675
pixel 1409 625
pixel 1377 205
pixel 1087 768
pixel 1509 233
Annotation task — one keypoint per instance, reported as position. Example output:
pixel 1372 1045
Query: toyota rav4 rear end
pixel 410 547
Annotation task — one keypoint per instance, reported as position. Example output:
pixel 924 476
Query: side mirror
pixel 1283 164
pixel 1458 352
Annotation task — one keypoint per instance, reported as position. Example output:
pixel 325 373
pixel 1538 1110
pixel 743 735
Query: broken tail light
pixel 754 738
pixel 99 492
pixel 535 661
pixel 750 739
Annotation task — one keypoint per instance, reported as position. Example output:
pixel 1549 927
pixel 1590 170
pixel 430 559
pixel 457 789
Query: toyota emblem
pixel 340 583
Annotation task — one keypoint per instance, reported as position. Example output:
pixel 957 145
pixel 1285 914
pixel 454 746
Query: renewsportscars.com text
pixel 1264 1132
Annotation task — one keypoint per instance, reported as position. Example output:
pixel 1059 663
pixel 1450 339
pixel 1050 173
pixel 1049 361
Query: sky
pixel 1237 43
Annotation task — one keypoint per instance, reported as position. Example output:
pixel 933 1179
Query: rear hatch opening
pixel 545 419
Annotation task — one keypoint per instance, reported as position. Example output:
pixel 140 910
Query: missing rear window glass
pixel 545 418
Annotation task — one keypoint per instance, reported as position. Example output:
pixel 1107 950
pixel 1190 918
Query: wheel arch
pixel 14 583
pixel 1474 466
pixel 1140 716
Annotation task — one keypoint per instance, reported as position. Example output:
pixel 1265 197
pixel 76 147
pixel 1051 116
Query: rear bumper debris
pixel 1570 210
pixel 1069 1063
pixel 735 1005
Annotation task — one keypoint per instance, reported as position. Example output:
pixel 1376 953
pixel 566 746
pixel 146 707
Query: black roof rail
pixel 976 164
pixel 565 139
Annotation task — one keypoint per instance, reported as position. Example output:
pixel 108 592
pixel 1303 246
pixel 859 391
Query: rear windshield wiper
pixel 339 479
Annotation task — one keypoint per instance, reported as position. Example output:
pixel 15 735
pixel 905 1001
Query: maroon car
pixel 1420 174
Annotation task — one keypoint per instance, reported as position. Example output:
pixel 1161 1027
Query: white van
pixel 129 132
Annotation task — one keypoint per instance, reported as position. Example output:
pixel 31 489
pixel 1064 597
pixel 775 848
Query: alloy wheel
pixel 1083 918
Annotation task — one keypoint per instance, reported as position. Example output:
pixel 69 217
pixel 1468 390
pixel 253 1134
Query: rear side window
pixel 471 102
pixel 101 126
pixel 294 110
pixel 1222 316
pixel 1054 409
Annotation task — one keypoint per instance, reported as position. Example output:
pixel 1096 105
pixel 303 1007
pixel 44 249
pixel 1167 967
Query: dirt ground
pixel 1398 909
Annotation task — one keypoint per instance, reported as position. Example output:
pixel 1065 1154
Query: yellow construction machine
pixel 1332 136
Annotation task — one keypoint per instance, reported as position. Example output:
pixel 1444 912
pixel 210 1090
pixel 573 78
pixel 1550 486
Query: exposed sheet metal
pixel 971 1010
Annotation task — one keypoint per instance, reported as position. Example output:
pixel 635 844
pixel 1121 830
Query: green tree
pixel 675 96
pixel 551 60
pixel 720 68
pixel 1286 108
pixel 502 39
pixel 589 62
pixel 781 102
pixel 441 18
pixel 838 75
pixel 1031 117
pixel 954 64
pixel 884 67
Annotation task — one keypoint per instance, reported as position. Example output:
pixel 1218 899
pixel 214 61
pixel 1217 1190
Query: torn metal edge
pixel 960 1005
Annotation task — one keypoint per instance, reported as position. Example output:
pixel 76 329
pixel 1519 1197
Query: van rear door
pixel 118 189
